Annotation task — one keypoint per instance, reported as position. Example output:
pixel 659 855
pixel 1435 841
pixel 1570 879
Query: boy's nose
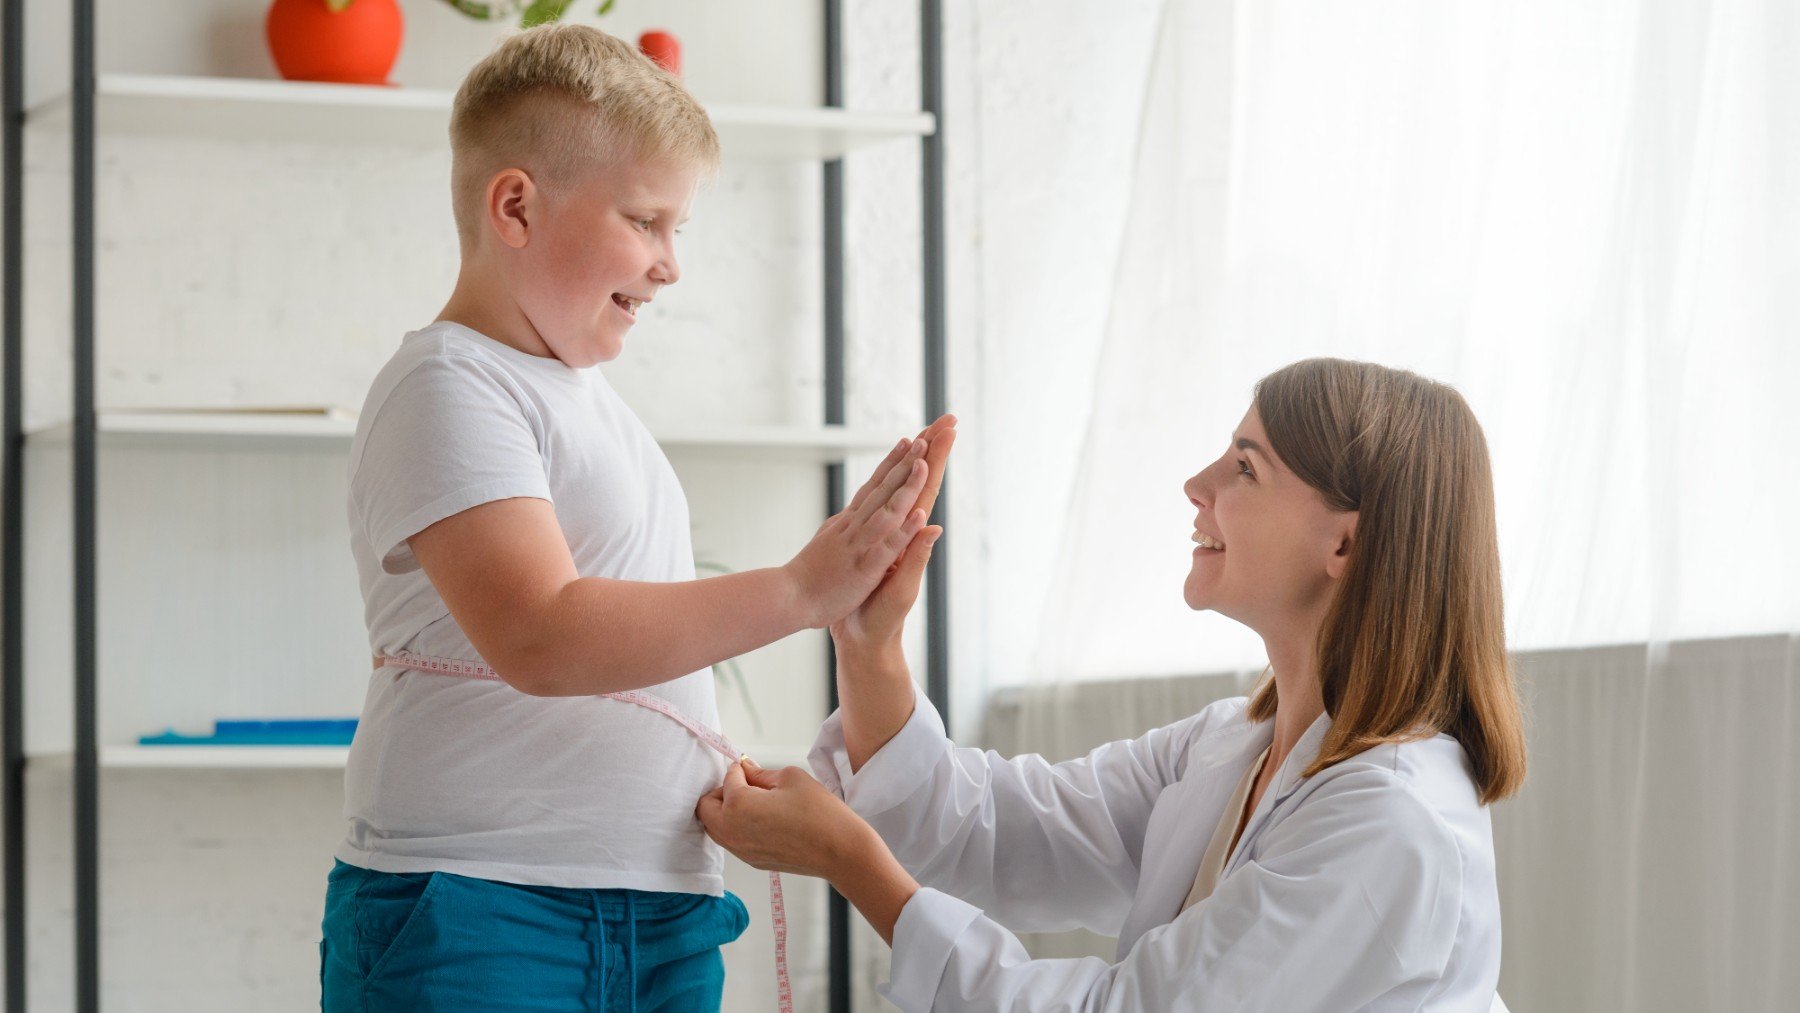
pixel 666 271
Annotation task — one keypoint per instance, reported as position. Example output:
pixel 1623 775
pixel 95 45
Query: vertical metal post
pixel 12 502
pixel 87 866
pixel 931 94
pixel 837 908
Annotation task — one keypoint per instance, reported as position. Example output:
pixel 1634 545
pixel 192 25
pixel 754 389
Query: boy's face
pixel 597 252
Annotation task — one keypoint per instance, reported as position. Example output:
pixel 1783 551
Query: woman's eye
pixel 1244 469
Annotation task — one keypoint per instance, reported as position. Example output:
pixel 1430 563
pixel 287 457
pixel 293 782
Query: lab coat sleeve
pixel 1354 896
pixel 1001 833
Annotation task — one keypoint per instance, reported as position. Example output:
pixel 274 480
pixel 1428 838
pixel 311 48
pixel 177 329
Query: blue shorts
pixel 435 941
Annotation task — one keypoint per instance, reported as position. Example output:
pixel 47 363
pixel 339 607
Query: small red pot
pixel 312 42
pixel 663 48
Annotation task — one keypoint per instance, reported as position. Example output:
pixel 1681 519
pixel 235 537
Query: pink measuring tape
pixel 784 991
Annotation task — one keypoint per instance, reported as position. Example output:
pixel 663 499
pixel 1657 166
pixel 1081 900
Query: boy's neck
pixel 481 305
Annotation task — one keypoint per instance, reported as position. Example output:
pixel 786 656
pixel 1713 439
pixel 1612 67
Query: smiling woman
pixel 1415 637
pixel 1337 822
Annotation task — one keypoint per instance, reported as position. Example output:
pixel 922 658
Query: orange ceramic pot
pixel 312 42
pixel 663 48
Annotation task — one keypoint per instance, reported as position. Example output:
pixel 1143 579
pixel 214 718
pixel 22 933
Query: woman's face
pixel 1268 549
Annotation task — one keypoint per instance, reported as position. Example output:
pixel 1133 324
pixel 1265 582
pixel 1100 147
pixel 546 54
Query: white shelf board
pixel 331 427
pixel 211 428
pixel 210 757
pixel 822 444
pixel 265 109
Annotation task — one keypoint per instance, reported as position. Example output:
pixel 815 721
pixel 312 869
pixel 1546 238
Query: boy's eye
pixel 645 223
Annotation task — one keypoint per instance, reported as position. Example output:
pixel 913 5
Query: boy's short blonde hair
pixel 560 101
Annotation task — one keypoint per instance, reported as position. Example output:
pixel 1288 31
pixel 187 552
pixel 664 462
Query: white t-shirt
pixel 474 777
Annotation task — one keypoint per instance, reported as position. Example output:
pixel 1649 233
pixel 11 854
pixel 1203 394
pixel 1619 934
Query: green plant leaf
pixel 542 12
pixel 605 7
pixel 476 9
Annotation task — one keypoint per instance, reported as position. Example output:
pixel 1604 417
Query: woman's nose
pixel 1198 492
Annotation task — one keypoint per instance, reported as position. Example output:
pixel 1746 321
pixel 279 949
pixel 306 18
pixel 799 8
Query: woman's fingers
pixel 711 805
pixel 912 564
pixel 757 777
pixel 939 426
pixel 885 611
pixel 935 458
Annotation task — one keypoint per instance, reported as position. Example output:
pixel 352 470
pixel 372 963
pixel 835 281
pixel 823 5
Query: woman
pixel 1321 845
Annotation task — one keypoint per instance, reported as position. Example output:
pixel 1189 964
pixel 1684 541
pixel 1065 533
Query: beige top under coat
pixel 1212 864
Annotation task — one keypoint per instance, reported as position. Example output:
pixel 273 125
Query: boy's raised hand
pixel 858 546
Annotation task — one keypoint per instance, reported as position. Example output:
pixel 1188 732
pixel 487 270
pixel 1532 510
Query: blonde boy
pixel 525 843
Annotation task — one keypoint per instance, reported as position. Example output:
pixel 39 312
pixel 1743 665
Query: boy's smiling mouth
pixel 627 304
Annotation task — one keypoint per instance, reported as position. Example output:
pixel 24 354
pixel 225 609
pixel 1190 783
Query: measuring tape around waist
pixel 784 992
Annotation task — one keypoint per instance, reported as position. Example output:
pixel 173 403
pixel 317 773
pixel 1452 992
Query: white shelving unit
pixel 327 427
pixel 265 475
pixel 210 108
pixel 220 757
pixel 249 109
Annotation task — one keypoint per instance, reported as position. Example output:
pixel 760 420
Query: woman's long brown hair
pixel 1414 642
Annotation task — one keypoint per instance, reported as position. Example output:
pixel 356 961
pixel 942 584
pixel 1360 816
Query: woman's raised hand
pixel 876 623
pixel 860 545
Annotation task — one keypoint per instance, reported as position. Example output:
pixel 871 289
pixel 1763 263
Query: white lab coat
pixel 1367 886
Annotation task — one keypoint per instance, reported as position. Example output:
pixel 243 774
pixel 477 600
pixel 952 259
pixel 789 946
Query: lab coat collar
pixel 1305 751
pixel 1287 780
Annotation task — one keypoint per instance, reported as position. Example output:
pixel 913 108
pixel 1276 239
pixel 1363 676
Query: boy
pixel 527 843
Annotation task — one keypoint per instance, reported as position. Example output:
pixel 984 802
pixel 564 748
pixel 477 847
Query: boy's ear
pixel 511 201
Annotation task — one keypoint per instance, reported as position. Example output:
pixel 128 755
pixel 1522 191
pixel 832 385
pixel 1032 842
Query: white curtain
pixel 1583 213
pixel 1586 215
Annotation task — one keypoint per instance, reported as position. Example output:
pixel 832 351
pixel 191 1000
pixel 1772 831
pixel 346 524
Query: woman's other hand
pixel 785 821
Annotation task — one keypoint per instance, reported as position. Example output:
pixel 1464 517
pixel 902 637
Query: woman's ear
pixel 511 194
pixel 1345 533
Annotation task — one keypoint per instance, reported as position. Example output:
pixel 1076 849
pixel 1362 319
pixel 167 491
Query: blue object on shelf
pixel 265 732
pixel 278 726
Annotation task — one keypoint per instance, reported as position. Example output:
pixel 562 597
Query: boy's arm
pixel 505 572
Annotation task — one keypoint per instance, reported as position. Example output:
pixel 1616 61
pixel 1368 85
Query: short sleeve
pixel 451 434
